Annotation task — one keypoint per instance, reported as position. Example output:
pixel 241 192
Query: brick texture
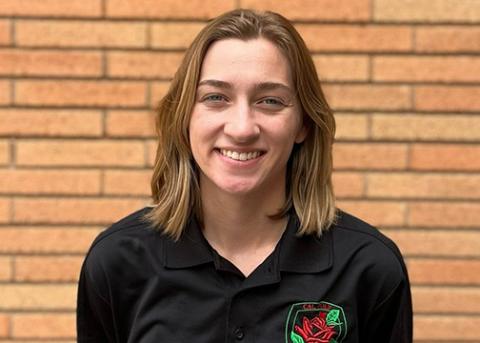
pixel 145 65
pixel 46 268
pixel 49 63
pixel 5 37
pixel 51 122
pixel 74 210
pixel 52 326
pixel 5 93
pixel 447 98
pixel 51 8
pixel 37 297
pixel 80 93
pixel 43 240
pixel 27 181
pixel 80 153
pixel 56 33
pixel 427 10
pixel 140 124
pixel 426 69
pixel 424 127
pixel 4 152
pixel 79 84
pixel 362 97
pixel 314 9
pixel 356 38
pixel 453 39
pixel 199 9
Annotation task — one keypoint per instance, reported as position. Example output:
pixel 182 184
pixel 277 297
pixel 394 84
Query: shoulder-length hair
pixel 175 185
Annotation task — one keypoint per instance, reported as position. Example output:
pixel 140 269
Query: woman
pixel 244 242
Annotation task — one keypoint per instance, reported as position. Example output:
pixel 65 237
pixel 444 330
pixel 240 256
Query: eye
pixel 213 98
pixel 271 103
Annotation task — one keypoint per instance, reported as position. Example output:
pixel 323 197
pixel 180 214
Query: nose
pixel 241 125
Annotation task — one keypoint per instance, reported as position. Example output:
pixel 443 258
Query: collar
pixel 297 254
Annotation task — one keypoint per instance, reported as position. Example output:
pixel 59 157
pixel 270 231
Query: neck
pixel 234 224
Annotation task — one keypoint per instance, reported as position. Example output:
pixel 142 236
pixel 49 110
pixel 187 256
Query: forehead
pixel 236 60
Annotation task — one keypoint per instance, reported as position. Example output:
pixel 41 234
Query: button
pixel 239 334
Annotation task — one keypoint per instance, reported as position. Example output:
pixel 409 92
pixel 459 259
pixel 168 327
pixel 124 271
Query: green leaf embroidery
pixel 332 317
pixel 296 338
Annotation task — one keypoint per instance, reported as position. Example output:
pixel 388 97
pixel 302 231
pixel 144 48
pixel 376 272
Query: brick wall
pixel 78 80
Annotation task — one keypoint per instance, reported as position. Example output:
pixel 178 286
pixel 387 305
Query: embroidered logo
pixel 315 322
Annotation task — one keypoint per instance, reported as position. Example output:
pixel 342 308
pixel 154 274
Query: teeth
pixel 240 156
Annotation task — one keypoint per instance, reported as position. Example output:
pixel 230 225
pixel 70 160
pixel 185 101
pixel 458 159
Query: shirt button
pixel 239 334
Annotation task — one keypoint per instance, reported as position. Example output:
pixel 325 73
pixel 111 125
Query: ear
pixel 302 133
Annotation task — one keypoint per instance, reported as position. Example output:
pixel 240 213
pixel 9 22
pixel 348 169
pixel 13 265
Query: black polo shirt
pixel 139 286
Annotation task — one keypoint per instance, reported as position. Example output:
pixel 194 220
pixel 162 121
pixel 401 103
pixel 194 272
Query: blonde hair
pixel 175 187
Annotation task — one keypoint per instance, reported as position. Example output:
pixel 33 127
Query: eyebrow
pixel 262 86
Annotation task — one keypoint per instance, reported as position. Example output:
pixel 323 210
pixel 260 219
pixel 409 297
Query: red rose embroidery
pixel 315 330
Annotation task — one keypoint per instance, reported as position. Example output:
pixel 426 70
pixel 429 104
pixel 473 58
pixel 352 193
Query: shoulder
pixel 368 250
pixel 129 245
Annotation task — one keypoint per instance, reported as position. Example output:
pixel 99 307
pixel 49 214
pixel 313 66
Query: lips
pixel 240 155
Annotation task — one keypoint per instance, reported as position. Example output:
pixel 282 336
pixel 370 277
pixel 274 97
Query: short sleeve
pixel 94 313
pixel 391 321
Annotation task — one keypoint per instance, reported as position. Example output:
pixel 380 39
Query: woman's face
pixel 246 117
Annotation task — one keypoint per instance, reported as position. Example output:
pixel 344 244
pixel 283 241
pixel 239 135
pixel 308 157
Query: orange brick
pixel 439 300
pixel 426 69
pixel 4 210
pixel 427 10
pixel 369 156
pixel 341 68
pixel 158 90
pixel 444 214
pixel 43 325
pixel 127 182
pixel 362 97
pixel 51 8
pixel 25 122
pixel 445 157
pixel 80 153
pixel 347 184
pixel 174 35
pixel 26 181
pixel 439 243
pixel 74 33
pixel 437 328
pixel 429 185
pixel 6 272
pixel 351 126
pixel 50 63
pixel 143 64
pixel 356 38
pixel 425 127
pixel 4 152
pixel 101 211
pixel 80 93
pixel 33 297
pixel 130 123
pixel 4 325
pixel 447 98
pixel 46 268
pixel 201 9
pixel 447 39
pixel 151 152
pixel 441 271
pixel 378 213
pixel 5 92
pixel 41 240
pixel 314 9
pixel 5 32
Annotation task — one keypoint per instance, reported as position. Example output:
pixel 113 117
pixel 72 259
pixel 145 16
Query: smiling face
pixel 246 118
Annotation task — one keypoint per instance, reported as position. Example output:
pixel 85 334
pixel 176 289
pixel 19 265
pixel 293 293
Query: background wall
pixel 78 80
